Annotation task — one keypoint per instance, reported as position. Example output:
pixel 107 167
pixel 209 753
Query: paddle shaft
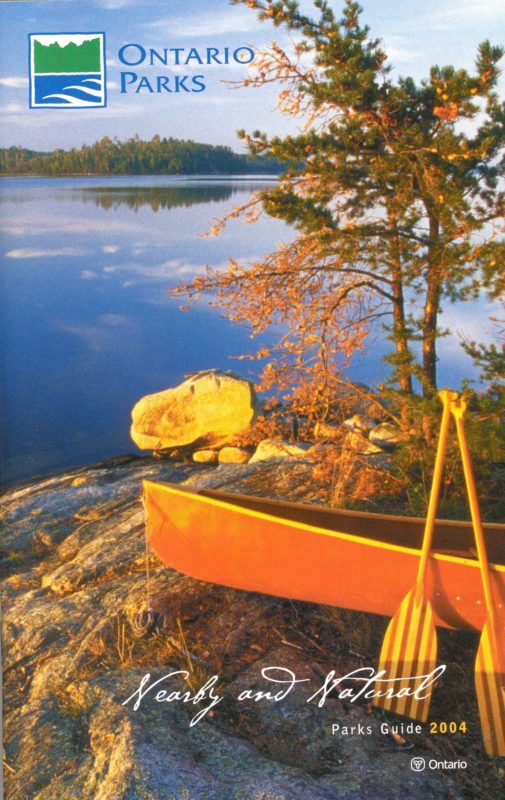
pixel 458 409
pixel 447 397
pixel 489 667
pixel 410 643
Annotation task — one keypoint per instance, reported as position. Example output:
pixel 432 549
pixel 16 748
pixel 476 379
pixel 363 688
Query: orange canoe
pixel 362 561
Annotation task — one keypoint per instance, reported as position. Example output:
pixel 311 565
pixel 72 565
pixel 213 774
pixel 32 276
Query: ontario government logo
pixel 67 70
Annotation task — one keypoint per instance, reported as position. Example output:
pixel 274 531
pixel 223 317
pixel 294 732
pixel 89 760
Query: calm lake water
pixel 87 327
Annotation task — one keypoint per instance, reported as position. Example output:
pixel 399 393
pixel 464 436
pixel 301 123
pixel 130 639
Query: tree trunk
pixel 399 331
pixel 402 350
pixel 431 309
pixel 401 341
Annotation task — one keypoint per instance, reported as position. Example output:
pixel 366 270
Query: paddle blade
pixel 409 650
pixel 490 685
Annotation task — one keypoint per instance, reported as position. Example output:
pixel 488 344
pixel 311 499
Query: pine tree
pixel 394 202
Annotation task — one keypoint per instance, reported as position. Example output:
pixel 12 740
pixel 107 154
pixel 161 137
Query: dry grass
pixel 361 632
pixel 67 703
pixel 346 478
pixel 343 469
pixel 117 647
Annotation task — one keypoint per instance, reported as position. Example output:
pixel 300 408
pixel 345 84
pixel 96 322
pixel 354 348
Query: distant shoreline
pixel 158 156
pixel 221 176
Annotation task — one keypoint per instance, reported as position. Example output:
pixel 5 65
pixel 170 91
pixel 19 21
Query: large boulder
pixel 209 408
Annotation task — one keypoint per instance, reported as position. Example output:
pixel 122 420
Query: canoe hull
pixel 215 541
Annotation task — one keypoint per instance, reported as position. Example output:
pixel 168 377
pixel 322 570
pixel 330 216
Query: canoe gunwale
pixel 341 512
pixel 212 499
pixel 219 542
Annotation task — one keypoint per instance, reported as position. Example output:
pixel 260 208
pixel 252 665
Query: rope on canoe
pixel 148 620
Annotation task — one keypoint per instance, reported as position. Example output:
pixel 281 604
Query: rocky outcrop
pixel 209 409
pixel 212 413
pixel 74 580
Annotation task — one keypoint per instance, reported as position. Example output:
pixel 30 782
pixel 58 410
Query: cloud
pixel 12 108
pixel 40 224
pixel 115 320
pixel 112 4
pixel 174 269
pixel 14 82
pixel 34 252
pixel 88 275
pixel 207 24
pixel 475 325
pixel 44 120
pixel 470 11
pixel 110 248
pixel 15 230
pixel 105 334
pixel 217 100
pixel 398 50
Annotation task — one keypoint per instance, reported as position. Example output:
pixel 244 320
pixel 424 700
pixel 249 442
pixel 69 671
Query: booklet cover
pixel 252 400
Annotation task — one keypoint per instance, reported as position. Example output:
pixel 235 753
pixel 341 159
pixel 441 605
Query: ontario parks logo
pixel 67 70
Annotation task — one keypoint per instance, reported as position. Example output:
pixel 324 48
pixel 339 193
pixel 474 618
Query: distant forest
pixel 134 157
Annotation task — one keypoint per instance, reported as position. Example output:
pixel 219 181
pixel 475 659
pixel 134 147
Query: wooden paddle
pixel 490 661
pixel 410 645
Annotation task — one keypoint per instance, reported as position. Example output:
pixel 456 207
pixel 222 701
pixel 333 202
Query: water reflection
pixel 87 327
pixel 164 197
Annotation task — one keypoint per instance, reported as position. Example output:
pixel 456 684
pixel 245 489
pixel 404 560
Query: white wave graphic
pixel 85 90
pixel 91 95
pixel 72 101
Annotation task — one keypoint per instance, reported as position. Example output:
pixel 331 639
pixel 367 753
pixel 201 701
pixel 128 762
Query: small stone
pixel 386 435
pixel 358 442
pixel 233 455
pixel 205 456
pixel 360 422
pixel 276 449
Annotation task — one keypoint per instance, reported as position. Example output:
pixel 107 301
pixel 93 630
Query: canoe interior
pixel 366 562
pixel 451 537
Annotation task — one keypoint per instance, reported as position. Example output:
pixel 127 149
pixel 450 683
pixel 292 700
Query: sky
pixel 416 34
